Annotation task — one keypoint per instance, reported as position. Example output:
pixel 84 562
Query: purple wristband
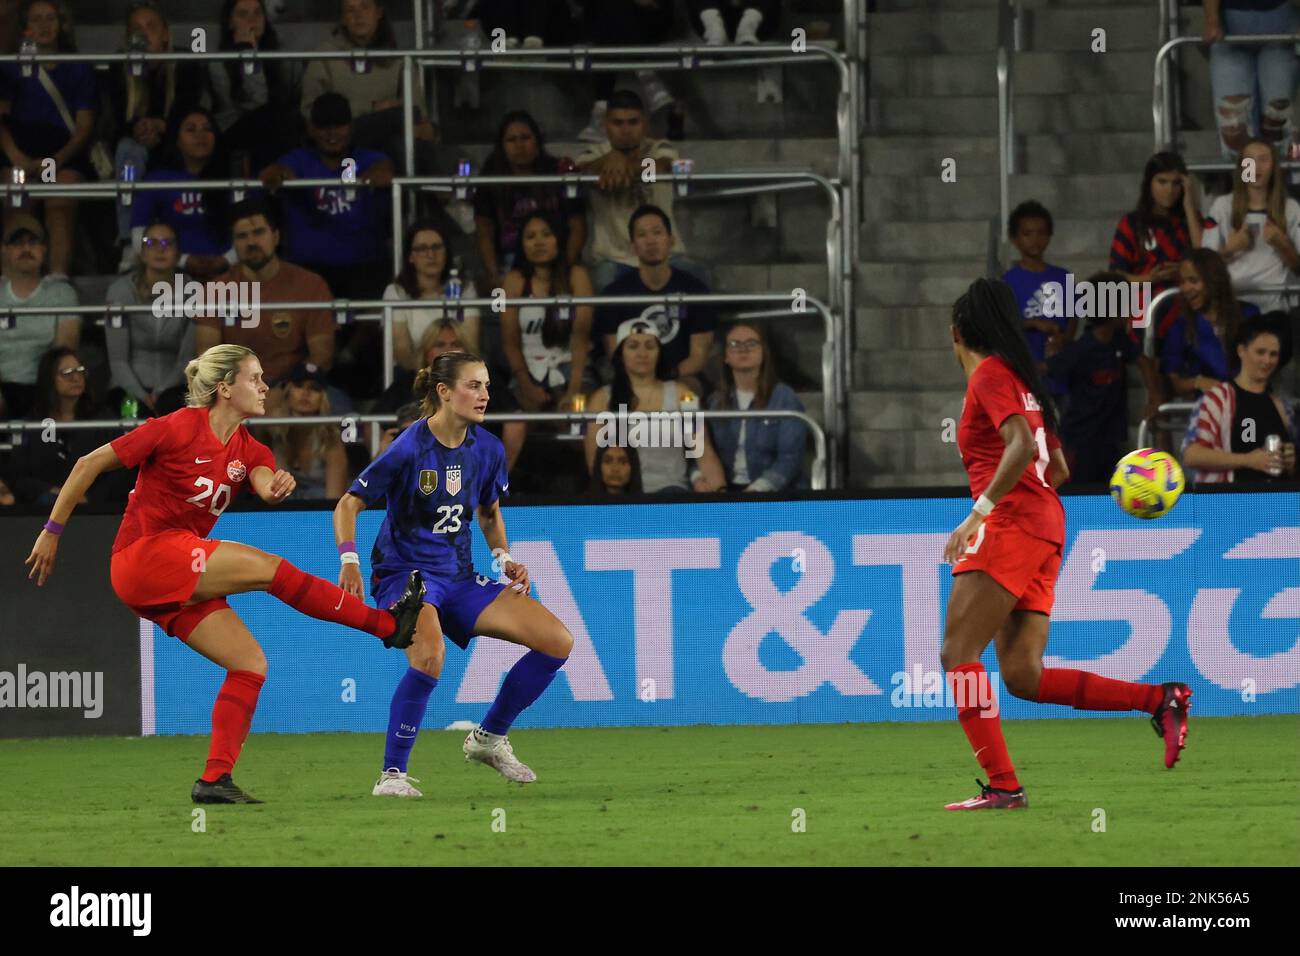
pixel 347 546
pixel 53 527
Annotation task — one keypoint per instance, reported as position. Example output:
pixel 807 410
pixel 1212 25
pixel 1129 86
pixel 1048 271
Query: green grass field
pixel 872 794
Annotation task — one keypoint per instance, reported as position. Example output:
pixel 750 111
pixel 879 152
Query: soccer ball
pixel 1147 483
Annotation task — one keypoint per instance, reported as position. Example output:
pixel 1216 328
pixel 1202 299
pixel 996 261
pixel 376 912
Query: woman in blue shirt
pixel 758 454
pixel 34 129
pixel 435 477
pixel 1193 355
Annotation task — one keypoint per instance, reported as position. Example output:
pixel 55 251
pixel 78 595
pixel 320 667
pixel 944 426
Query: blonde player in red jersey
pixel 193 463
pixel 1007 553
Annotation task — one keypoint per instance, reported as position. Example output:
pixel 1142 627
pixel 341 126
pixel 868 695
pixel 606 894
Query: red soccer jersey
pixel 187 477
pixel 993 394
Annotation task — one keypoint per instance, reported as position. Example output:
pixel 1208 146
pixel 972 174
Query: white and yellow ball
pixel 1147 483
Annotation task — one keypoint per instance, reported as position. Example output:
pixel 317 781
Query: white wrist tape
pixel 503 556
pixel 984 506
pixel 349 557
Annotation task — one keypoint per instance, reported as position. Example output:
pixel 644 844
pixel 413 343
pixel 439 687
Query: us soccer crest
pixel 428 481
pixel 453 479
pixel 236 470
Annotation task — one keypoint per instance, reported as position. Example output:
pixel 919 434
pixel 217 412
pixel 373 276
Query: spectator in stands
pixel 1151 240
pixel 41 464
pixel 641 385
pixel 407 416
pixel 141 104
pixel 191 151
pixel 1225 440
pixel 617 471
pixel 283 338
pixel 538 22
pixel 757 454
pixel 747 21
pixel 7 497
pixel 444 335
pixel 256 111
pixel 23 285
pixel 685 332
pixel 336 231
pixel 50 115
pixel 148 354
pixel 426 272
pixel 546 347
pixel 499 211
pixel 1195 349
pixel 1245 77
pixel 1092 371
pixel 1256 228
pixel 1030 228
pixel 629 23
pixel 313 453
pixel 374 93
pixel 621 190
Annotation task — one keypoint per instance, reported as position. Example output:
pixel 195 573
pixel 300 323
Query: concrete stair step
pixel 915 284
pixel 1045 29
pixel 1035 73
pixel 977 115
pixel 975 197
pixel 902 327
pixel 1073 239
pixel 1051 154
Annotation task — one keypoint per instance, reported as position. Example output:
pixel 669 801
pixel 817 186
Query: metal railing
pixel 1009 43
pixel 1162 98
pixel 348 309
pixel 817 477
pixel 1148 425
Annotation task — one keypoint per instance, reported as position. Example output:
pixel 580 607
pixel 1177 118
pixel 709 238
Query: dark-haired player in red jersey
pixel 164 567
pixel 1007 552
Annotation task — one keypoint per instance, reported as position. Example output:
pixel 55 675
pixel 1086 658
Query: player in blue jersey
pixel 435 476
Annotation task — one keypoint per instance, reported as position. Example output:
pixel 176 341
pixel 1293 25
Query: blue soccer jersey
pixel 432 493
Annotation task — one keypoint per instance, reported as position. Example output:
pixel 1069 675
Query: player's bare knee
pixel 561 641
pixel 255 661
pixel 948 656
pixel 428 652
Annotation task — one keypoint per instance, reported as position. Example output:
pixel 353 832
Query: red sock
pixel 232 715
pixel 324 601
pixel 983 728
pixel 1085 691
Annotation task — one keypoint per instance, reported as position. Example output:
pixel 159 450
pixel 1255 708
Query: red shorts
pixel 1025 565
pixel 156 576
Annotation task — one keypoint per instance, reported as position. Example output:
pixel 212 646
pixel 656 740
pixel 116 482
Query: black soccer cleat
pixel 407 612
pixel 221 790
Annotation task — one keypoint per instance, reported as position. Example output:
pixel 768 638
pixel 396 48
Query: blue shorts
pixel 459 600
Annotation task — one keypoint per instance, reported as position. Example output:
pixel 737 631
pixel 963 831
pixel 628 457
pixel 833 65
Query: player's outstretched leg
pixel 222 638
pixel 1020 645
pixel 521 620
pixel 235 568
pixel 410 699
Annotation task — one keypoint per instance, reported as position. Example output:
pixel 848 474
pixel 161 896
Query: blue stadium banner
pixel 782 612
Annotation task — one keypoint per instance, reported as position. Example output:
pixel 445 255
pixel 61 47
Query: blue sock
pixel 531 675
pixel 405 714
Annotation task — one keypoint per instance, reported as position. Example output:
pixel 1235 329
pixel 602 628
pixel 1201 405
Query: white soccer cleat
pixel 395 783
pixel 495 751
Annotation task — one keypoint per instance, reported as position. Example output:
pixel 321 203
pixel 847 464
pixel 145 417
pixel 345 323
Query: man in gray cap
pixel 24 339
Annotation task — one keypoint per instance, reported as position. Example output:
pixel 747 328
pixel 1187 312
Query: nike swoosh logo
pixel 201 461
pixel 506 486
pixel 404 736
pixel 341 597
pixel 364 483
pixel 980 751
